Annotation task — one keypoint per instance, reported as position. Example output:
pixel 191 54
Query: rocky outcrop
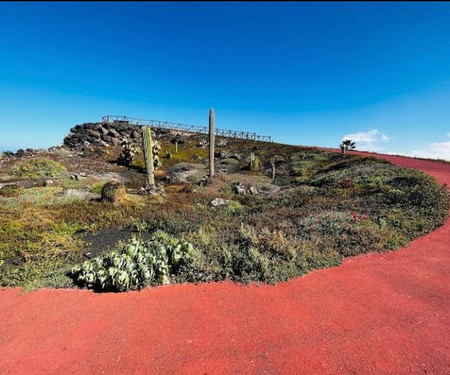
pixel 110 134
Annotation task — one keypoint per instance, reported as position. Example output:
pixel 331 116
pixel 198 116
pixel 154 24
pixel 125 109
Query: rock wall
pixel 101 134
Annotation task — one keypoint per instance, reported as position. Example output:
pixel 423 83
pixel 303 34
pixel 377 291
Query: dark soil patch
pixel 105 239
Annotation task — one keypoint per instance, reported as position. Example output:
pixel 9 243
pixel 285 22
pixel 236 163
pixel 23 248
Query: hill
pixel 244 225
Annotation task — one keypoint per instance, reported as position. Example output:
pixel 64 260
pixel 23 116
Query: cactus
pixel 272 162
pixel 128 153
pixel 113 192
pixel 252 160
pixel 211 141
pixel 147 146
pixel 138 264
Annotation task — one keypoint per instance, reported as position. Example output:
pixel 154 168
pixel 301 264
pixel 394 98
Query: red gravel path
pixel 375 314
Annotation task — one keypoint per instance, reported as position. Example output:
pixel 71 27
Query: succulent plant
pixel 113 191
pixel 128 152
pixel 252 160
pixel 137 264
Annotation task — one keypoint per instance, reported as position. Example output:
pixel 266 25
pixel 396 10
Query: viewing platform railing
pixel 110 119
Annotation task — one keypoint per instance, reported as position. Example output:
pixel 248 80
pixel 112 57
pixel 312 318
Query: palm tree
pixel 348 144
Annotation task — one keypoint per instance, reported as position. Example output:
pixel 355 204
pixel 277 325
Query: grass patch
pixel 37 168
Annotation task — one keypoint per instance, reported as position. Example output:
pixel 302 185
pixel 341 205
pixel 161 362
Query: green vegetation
pixel 138 264
pixel 348 144
pixel 7 154
pixel 321 208
pixel 37 168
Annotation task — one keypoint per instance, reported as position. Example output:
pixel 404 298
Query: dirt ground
pixel 376 314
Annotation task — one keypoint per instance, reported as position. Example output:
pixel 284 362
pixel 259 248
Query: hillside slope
pixel 377 313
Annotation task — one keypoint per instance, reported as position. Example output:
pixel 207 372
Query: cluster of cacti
pixel 212 134
pixel 138 264
pixel 254 162
pixel 113 192
pixel 128 152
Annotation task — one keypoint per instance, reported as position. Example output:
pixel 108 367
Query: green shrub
pixel 7 154
pixel 37 168
pixel 12 190
pixel 229 161
pixel 97 187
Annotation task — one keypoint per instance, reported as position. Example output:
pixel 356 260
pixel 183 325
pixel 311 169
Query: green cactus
pixel 272 163
pixel 137 264
pixel 113 192
pixel 211 141
pixel 147 146
pixel 128 152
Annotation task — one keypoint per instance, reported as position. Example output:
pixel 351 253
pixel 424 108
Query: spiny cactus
pixel 211 141
pixel 147 146
pixel 272 162
pixel 113 192
pixel 156 148
pixel 128 152
pixel 252 160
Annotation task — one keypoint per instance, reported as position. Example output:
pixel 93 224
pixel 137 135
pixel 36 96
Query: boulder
pixel 244 189
pixel 216 202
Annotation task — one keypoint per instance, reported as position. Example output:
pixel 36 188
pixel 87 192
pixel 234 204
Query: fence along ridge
pixel 110 119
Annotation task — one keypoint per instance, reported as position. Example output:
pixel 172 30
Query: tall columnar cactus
pixel 147 146
pixel 252 160
pixel 211 141
pixel 272 163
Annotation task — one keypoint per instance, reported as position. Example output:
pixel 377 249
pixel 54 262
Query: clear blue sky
pixel 305 73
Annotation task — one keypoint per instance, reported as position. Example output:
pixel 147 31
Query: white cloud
pixel 367 141
pixel 448 134
pixel 435 150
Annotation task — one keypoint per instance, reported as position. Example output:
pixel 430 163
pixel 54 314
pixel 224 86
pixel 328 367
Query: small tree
pixel 348 144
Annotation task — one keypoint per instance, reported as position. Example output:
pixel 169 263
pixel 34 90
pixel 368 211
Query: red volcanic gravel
pixel 376 314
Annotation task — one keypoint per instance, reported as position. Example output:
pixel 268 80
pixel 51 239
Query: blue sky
pixel 305 73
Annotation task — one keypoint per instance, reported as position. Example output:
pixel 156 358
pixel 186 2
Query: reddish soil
pixel 375 314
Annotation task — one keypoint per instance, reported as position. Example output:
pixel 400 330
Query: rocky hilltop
pixel 110 134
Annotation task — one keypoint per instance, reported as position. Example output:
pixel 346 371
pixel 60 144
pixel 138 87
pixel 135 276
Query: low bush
pixel 37 168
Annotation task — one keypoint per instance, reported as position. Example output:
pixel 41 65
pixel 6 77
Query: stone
pixel 216 202
pixel 107 138
pixel 103 130
pixel 135 134
pixel 152 190
pixel 244 189
pixel 114 133
pixel 93 133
